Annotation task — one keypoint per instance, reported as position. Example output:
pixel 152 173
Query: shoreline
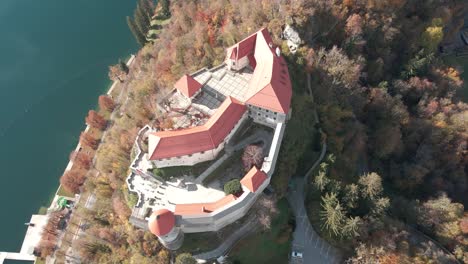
pixel 34 232
pixel 78 146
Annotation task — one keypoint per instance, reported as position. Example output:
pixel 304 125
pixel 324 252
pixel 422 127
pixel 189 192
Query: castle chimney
pixel 278 51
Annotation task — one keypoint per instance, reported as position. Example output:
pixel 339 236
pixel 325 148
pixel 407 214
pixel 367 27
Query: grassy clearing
pixel 200 242
pixel 156 27
pixel 267 247
pixel 222 168
pixel 178 171
pixel 39 261
pixel 62 192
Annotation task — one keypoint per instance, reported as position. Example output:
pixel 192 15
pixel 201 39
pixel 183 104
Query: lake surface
pixel 53 66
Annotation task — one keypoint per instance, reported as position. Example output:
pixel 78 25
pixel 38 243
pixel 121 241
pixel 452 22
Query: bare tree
pixel 253 156
pixel 266 209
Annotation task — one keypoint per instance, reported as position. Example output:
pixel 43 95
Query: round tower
pixel 162 224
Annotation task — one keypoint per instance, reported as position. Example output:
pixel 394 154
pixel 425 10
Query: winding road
pixel 305 239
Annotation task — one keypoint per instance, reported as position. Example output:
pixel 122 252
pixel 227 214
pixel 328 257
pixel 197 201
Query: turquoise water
pixel 53 65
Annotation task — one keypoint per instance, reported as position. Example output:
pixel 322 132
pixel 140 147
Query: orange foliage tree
pixel 94 119
pixel 72 180
pixel 88 140
pixel 81 159
pixel 106 103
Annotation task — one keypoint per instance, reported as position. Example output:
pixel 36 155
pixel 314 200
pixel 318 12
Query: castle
pixel 207 109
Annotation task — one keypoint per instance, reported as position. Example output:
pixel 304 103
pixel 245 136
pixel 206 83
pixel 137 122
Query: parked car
pixel 296 254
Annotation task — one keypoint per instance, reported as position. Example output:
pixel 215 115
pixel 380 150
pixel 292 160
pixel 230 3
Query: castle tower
pixel 162 224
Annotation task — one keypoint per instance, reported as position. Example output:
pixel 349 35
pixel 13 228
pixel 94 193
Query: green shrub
pixel 232 187
pixel 185 258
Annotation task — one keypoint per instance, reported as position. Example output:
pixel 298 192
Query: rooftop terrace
pixel 222 82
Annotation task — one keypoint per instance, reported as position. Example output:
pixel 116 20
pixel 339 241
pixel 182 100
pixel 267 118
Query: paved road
pixel 305 239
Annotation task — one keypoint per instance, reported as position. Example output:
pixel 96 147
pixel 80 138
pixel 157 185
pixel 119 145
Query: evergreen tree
pixel 351 195
pixel 351 227
pixel 123 67
pixel 147 7
pixel 380 206
pixel 140 38
pixel 371 185
pixel 141 20
pixel 321 180
pixel 333 214
pixel 165 8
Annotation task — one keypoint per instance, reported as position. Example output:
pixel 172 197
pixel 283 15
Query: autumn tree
pixel 88 140
pixel 72 180
pixel 433 35
pixel 354 26
pixel 94 119
pixel 106 103
pixel 118 71
pixel 45 248
pixel 120 208
pixel 252 156
pixel 441 217
pixel 81 159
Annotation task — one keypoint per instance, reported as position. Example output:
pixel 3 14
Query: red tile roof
pixel 270 86
pixel 253 179
pixel 187 85
pixel 161 222
pixel 203 208
pixel 167 144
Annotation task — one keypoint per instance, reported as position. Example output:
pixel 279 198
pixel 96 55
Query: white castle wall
pixel 237 209
pixel 266 117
